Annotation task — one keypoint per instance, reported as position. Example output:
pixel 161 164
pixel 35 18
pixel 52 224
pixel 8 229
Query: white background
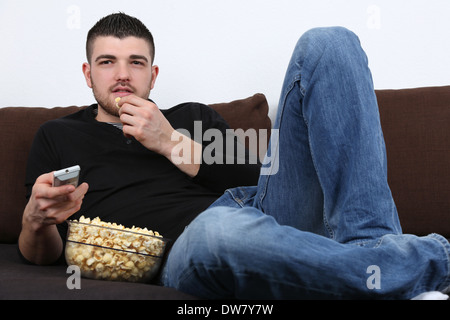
pixel 215 51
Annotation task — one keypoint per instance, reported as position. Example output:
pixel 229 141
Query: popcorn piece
pixel 117 102
pixel 107 258
pixel 105 250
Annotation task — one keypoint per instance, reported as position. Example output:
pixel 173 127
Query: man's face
pixel 119 67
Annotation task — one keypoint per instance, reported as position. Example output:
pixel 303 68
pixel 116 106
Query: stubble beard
pixel 106 103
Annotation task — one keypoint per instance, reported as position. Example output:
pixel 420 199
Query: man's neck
pixel 103 116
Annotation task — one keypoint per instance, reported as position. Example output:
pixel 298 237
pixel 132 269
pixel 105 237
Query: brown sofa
pixel 416 125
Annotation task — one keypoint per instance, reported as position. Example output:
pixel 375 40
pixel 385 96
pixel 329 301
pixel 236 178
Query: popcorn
pixel 105 250
pixel 117 102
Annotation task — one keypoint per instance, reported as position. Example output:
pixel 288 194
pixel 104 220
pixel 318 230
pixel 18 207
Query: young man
pixel 130 168
pixel 324 226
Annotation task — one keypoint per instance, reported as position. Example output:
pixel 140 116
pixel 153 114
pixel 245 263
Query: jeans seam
pixel 236 199
pixel 281 112
pixel 324 216
pixel 291 284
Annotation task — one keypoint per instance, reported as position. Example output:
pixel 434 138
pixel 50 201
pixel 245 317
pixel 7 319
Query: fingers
pixel 135 106
pixel 133 100
pixel 140 118
pixel 143 120
pixel 43 188
pixel 58 209
pixel 52 205
pixel 136 114
pixel 62 210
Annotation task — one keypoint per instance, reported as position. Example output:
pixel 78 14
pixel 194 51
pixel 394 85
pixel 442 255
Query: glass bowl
pixel 114 253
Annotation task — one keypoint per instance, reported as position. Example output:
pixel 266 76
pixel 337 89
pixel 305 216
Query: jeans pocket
pixel 236 197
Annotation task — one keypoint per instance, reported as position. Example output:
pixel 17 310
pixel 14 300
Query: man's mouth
pixel 122 91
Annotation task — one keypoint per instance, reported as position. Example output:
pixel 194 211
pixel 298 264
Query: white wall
pixel 213 51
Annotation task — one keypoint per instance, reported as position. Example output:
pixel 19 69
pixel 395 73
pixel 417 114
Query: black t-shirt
pixel 129 184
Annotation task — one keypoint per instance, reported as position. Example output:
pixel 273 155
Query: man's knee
pixel 329 36
pixel 335 46
pixel 213 226
pixel 200 247
pixel 327 42
pixel 205 234
pixel 217 230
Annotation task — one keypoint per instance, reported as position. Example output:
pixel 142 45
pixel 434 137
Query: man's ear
pixel 87 74
pixel 155 72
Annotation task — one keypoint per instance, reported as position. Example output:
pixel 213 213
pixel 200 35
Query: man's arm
pixel 39 240
pixel 143 120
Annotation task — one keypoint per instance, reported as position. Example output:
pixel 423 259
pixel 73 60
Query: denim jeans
pixel 324 223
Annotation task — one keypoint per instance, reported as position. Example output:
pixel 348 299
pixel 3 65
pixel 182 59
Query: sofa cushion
pixel 239 114
pixel 18 126
pixel 416 126
pixel 19 280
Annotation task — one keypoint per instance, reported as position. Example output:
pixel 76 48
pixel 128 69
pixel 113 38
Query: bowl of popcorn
pixel 104 250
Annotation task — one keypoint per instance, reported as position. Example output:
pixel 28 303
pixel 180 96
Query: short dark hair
pixel 119 25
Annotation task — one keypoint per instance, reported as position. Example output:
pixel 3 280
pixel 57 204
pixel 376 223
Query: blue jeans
pixel 324 223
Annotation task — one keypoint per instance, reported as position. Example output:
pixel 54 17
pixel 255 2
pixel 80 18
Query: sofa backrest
pixel 18 126
pixel 416 127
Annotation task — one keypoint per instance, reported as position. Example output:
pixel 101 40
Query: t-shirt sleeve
pixel 42 158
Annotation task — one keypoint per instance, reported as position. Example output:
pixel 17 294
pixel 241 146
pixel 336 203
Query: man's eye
pixel 106 62
pixel 138 63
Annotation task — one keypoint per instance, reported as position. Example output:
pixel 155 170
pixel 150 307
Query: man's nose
pixel 122 72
